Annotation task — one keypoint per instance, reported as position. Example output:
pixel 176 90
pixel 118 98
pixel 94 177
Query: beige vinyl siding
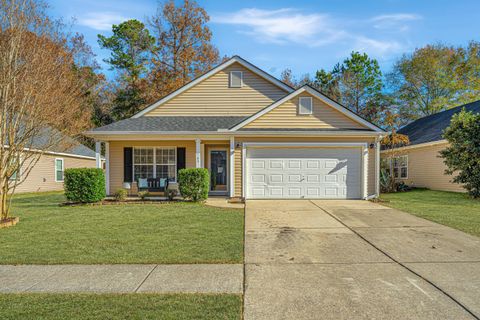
pixel 286 116
pixel 238 156
pixel 427 170
pixel 42 176
pixel 116 157
pixel 214 97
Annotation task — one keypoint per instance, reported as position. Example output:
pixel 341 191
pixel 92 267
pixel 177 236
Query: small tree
pixel 462 156
pixel 391 143
pixel 41 97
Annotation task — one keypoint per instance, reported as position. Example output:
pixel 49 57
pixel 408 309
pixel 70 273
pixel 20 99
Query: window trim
pixel 392 166
pixel 154 160
pixel 230 79
pixel 63 169
pixel 300 103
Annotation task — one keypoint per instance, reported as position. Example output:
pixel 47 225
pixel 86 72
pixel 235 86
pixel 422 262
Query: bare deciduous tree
pixel 41 94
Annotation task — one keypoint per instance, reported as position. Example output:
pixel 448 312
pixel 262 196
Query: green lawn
pixel 452 209
pixel 125 306
pixel 146 233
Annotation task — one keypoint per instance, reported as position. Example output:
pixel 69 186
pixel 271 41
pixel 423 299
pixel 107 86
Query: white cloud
pixel 287 25
pixel 398 21
pixel 380 47
pixel 101 20
pixel 283 25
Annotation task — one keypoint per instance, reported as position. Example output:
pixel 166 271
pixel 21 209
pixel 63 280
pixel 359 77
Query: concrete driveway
pixel 355 260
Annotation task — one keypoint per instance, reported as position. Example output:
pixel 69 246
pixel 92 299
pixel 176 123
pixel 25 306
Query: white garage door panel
pixel 298 173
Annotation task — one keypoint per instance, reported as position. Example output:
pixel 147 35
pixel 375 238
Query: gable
pixel 214 97
pixel 286 116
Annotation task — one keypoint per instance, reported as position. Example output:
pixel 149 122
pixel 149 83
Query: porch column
pixel 107 167
pixel 365 171
pixel 198 154
pixel 98 154
pixel 232 167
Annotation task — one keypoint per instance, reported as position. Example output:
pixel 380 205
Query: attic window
pixel 305 105
pixel 236 79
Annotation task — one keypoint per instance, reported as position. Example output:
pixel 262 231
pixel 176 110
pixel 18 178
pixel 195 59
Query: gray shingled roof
pixel 172 123
pixel 304 129
pixel 69 144
pixel 430 128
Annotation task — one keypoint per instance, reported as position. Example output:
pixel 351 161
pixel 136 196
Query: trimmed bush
pixel 120 195
pixel 194 183
pixel 84 184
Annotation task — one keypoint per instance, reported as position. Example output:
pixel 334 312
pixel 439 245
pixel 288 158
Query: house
pixel 47 174
pixel 419 164
pixel 260 139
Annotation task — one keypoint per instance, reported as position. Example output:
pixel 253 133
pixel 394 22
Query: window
pixel 142 163
pixel 155 163
pixel 236 79
pixel 16 175
pixel 58 170
pixel 400 167
pixel 305 105
pixel 166 163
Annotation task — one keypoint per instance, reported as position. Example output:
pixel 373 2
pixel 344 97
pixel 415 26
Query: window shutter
pixel 127 164
pixel 181 152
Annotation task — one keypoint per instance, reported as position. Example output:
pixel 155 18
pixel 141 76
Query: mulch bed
pixel 9 222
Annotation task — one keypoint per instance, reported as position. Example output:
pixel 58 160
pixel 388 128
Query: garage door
pixel 303 173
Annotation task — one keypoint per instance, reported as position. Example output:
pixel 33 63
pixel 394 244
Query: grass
pixel 121 306
pixel 456 210
pixel 147 233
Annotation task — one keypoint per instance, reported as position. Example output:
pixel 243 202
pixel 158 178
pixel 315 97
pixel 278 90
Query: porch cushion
pixel 163 182
pixel 142 183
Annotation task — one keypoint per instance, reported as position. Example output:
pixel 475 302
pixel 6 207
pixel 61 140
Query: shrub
pixel 143 194
pixel 171 194
pixel 120 195
pixel 84 184
pixel 462 156
pixel 194 183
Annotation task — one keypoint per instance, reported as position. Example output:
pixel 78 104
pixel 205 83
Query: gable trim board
pixel 235 59
pixel 316 94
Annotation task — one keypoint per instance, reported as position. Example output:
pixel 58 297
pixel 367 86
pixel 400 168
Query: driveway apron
pixel 355 260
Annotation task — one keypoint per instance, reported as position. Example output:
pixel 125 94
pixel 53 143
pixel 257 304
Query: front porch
pixel 153 165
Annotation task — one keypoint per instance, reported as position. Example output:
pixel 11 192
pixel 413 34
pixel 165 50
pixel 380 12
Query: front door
pixel 218 171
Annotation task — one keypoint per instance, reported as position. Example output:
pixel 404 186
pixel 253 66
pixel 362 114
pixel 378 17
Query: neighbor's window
pixel 17 173
pixel 155 163
pixel 305 105
pixel 15 176
pixel 400 167
pixel 236 79
pixel 59 170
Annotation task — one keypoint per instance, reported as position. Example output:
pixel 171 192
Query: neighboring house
pixel 48 172
pixel 420 164
pixel 260 139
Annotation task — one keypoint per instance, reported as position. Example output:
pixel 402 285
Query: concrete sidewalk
pixel 190 278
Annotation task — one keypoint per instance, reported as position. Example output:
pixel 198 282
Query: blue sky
pixel 301 35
